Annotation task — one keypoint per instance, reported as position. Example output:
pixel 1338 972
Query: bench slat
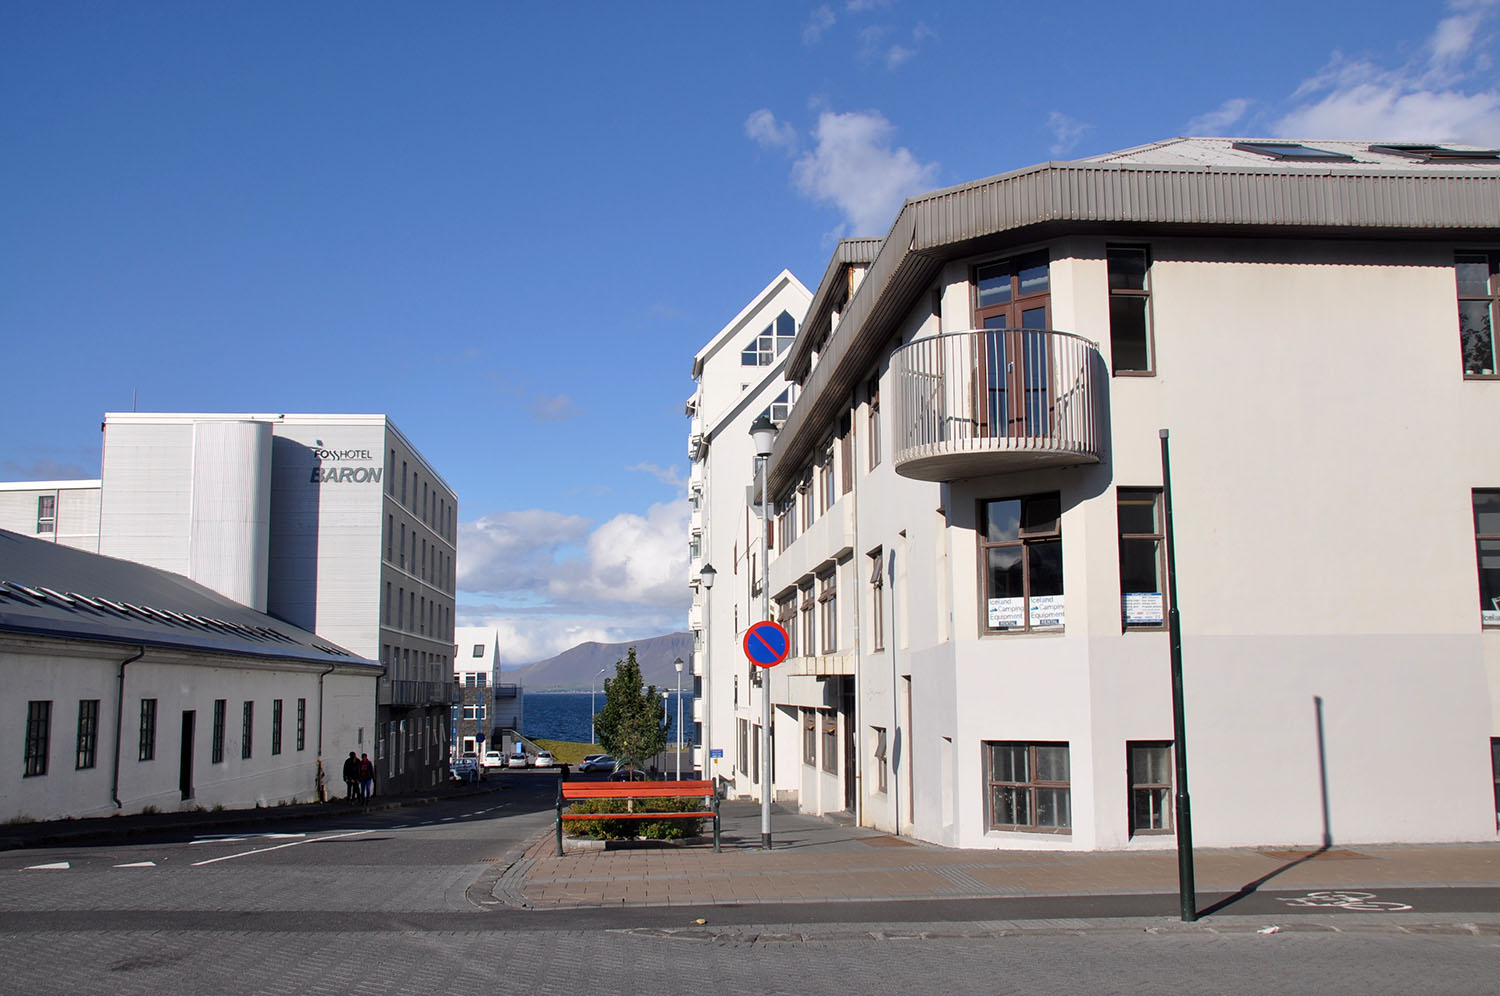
pixel 635 790
pixel 634 816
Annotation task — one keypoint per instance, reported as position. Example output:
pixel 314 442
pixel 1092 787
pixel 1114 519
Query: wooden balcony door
pixel 1014 376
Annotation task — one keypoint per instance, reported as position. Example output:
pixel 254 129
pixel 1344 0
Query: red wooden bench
pixel 569 792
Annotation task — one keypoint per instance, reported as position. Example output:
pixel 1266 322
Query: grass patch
pixel 569 751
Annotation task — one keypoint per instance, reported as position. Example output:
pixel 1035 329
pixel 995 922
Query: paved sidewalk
pixel 821 860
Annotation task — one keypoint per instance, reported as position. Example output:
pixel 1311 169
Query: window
pixel 1439 153
pixel 1129 309
pixel 386 608
pixel 390 535
pixel 846 454
pixel 301 724
pixel 1487 539
pixel 147 750
pixel 220 707
pixel 809 738
pixel 881 765
pixel 877 600
pixel 46 513
pixel 830 721
pixel 1014 375
pixel 772 342
pixel 1293 152
pixel 1495 770
pixel 88 732
pixel 872 391
pixel 1012 293
pixel 805 498
pixel 1028 787
pixel 806 627
pixel 1150 787
pixel 247 725
pixel 38 736
pixel 744 744
pixel 827 485
pixel 786 520
pixel 275 726
pixel 779 409
pixel 1143 563
pixel 1020 545
pixel 786 615
pixel 401 559
pixel 828 600
pixel 1478 277
pixel 478 650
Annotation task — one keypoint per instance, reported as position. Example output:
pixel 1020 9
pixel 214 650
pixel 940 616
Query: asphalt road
pixel 399 901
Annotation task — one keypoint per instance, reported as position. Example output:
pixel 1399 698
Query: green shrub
pixel 607 829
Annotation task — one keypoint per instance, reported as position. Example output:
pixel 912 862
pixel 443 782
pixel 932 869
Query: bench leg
pixel 716 832
pixel 559 835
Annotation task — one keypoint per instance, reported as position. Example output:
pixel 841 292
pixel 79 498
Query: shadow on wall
pixel 296 500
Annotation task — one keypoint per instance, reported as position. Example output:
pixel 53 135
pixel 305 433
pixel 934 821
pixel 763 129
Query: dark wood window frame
pixel 809 624
pixel 1030 789
pixel 247 731
pixel 827 478
pixel 46 514
pixel 877 600
pixel 1124 298
pixel 221 708
pixel 147 751
pixel 1029 541
pixel 1487 555
pixel 1012 301
pixel 810 738
pixel 1476 300
pixel 828 721
pixel 88 734
pixel 786 615
pixel 828 595
pixel 1125 500
pixel 1150 791
pixel 276 707
pixel 1495 770
pixel 38 737
pixel 872 395
pixel 302 724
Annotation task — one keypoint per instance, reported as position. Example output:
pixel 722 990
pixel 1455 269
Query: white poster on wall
pixel 1046 610
pixel 1490 617
pixel 1007 613
pixel 1143 608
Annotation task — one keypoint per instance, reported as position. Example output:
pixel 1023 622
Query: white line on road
pixel 138 864
pixel 294 843
pixel 55 866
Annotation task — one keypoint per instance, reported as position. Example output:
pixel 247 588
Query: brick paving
pixel 821 860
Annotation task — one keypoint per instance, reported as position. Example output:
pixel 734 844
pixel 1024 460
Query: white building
pixel 65 512
pixel 129 687
pixel 739 376
pixel 969 547
pixel 334 523
pixel 485 704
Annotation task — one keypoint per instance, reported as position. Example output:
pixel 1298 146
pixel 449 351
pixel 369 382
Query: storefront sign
pixel 1143 608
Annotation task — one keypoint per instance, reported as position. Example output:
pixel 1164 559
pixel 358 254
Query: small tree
pixel 632 724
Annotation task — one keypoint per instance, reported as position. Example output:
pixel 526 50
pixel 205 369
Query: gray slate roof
pixel 47 589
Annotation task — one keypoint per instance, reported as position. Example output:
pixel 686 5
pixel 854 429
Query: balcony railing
pixel 507 691
pixel 995 401
pixel 415 693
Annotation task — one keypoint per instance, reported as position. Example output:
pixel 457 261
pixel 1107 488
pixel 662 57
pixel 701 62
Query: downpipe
pixel 114 788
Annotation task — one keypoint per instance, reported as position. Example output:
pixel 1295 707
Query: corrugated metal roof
pixel 1154 188
pixel 820 312
pixel 47 589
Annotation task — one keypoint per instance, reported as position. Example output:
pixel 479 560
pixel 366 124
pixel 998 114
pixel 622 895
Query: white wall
pixel 76 504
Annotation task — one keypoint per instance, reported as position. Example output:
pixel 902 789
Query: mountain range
pixel 577 669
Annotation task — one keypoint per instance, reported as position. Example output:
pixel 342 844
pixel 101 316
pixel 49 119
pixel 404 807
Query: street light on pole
pixel 763 435
pixel 1187 892
pixel 593 737
pixel 706 576
pixel 678 662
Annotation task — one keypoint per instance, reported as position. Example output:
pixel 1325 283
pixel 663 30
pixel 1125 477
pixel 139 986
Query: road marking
pixel 55 866
pixel 293 843
pixel 138 864
pixel 1360 902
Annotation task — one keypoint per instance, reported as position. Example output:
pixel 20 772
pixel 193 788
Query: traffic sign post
pixel 766 645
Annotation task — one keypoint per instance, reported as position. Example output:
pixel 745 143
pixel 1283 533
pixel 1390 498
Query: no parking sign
pixel 766 644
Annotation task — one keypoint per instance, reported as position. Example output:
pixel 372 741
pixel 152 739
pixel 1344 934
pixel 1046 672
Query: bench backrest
pixel 635 790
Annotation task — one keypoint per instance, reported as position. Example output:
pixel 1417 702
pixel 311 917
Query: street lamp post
pixel 763 434
pixel 593 737
pixel 1187 893
pixel 678 662
pixel 706 576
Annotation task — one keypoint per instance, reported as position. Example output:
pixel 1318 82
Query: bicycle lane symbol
pixel 1359 902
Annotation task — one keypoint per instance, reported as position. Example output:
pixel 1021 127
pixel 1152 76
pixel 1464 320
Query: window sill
pixel 1492 376
pixel 1048 831
pixel 1058 631
pixel 1133 373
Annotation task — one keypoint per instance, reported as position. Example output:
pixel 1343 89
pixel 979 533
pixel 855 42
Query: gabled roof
pixel 782 279
pixel 47 589
pixel 1183 186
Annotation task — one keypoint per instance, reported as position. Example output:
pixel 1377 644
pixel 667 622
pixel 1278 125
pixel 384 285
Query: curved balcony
pixel 996 401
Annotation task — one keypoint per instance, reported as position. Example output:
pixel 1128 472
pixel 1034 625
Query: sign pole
pixel 766 645
pixel 1187 893
pixel 765 677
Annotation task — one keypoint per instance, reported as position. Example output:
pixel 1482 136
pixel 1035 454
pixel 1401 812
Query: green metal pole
pixel 1187 893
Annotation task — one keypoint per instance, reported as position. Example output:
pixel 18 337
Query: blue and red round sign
pixel 766 644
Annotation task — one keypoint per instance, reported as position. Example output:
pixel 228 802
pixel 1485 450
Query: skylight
pixel 1440 153
pixel 1293 152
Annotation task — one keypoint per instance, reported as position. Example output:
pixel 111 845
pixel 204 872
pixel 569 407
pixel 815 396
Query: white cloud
pixel 819 21
pixel 768 133
pixel 669 476
pixel 897 54
pixel 1446 93
pixel 1066 132
pixel 554 408
pixel 550 581
pixel 854 167
pixel 1218 121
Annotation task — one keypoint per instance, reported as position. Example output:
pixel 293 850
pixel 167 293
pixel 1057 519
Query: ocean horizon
pixel 567 715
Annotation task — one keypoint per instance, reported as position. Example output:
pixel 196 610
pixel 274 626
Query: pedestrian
pixel 366 778
pixel 351 776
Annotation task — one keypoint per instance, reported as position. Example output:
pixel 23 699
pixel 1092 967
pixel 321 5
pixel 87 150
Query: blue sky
pixel 511 226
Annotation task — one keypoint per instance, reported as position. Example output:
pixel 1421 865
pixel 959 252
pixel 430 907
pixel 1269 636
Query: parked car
pixel 464 769
pixel 590 757
pixel 492 759
pixel 598 762
pixel 517 761
pixel 543 759
pixel 626 775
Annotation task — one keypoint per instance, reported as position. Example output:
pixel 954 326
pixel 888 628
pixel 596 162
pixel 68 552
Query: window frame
pixel 828 616
pixel 1030 786
pixel 828 721
pixel 87 754
pixel 1025 540
pixel 1269 150
pixel 301 724
pixel 806 602
pixel 1168 826
pixel 38 737
pixel 46 514
pixel 146 749
pixel 247 730
pixel 810 737
pixel 1016 303
pixel 877 601
pixel 276 715
pixel 1160 538
pixel 221 719
pixel 872 401
pixel 881 751
pixel 1490 258
pixel 1489 618
pixel 1143 294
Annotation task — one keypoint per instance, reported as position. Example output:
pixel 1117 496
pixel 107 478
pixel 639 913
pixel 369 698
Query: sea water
pixel 567 715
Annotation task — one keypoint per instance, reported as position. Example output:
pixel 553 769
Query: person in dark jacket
pixel 351 776
pixel 366 778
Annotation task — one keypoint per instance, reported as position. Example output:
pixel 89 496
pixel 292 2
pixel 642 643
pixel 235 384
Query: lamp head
pixel 763 433
pixel 707 575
